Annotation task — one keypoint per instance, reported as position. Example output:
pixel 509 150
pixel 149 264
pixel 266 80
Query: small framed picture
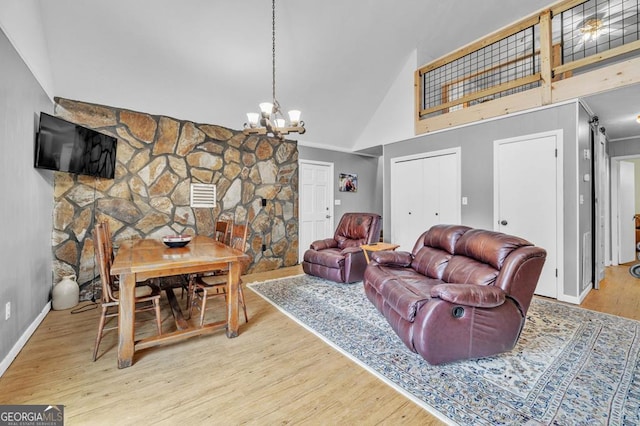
pixel 348 182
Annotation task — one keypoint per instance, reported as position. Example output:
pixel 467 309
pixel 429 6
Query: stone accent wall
pixel 157 159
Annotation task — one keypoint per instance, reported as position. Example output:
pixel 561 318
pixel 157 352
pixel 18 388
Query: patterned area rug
pixel 571 366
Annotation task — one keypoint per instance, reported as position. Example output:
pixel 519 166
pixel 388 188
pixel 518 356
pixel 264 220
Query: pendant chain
pixel 273 52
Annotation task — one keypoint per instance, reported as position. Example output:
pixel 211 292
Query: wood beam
pixel 546 53
pixel 603 79
pixel 417 87
pixel 498 107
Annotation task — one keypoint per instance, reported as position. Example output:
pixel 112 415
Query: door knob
pixel 328 217
pixel 503 222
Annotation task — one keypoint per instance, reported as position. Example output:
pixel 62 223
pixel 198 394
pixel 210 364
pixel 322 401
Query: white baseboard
pixel 15 350
pixel 568 299
pixel 573 299
pixel 586 291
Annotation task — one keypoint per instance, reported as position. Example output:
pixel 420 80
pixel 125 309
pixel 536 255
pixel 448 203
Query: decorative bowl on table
pixel 173 241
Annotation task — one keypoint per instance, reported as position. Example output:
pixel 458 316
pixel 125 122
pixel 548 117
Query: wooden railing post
pixel 546 60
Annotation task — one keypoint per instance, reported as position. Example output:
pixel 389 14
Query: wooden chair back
pixel 108 241
pixel 222 231
pixel 104 259
pixel 239 242
pixel 239 237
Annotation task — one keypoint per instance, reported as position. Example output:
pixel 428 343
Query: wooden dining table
pixel 139 260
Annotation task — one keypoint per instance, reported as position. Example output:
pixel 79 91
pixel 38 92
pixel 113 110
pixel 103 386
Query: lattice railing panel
pixel 597 26
pixel 497 65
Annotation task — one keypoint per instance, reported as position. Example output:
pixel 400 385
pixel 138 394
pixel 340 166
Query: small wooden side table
pixel 377 247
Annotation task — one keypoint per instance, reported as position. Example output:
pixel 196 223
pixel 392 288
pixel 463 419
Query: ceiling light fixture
pixel 270 118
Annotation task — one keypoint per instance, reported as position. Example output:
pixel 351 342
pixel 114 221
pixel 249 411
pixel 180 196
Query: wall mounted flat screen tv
pixel 69 147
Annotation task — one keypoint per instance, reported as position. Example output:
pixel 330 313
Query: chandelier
pixel 270 120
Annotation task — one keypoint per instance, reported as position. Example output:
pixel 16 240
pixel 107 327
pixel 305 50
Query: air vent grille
pixel 203 195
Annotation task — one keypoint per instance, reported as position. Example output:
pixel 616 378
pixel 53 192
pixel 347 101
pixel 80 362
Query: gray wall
pixel 27 201
pixel 585 208
pixel 476 142
pixel 368 198
pixel 626 147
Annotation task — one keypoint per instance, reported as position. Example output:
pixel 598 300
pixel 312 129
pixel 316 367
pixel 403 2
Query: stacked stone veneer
pixel 157 159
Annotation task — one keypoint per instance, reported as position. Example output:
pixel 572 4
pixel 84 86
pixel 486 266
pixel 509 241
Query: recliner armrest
pixel 479 296
pixel 401 259
pixel 350 250
pixel 324 244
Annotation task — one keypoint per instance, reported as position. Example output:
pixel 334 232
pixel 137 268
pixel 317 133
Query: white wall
pixel 629 148
pixel 22 23
pixel 393 119
pixel 636 161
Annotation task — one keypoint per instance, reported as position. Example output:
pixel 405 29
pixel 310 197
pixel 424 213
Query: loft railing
pixel 501 67
pixel 525 61
pixel 595 31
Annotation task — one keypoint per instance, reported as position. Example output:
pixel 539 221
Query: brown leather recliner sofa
pixel 462 293
pixel 340 258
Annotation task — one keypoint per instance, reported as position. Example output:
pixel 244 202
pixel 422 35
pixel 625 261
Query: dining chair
pixel 222 231
pixel 206 287
pixel 147 296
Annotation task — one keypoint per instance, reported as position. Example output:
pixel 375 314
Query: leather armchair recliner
pixel 461 293
pixel 340 258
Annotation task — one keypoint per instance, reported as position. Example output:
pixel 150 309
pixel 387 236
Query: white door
pixel 315 205
pixel 449 196
pixel 407 181
pixel 525 182
pixel 425 191
pixel 626 212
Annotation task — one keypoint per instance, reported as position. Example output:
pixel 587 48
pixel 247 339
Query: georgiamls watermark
pixel 31 415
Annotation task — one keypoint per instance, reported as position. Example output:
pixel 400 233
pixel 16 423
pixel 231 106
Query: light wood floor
pixel 275 372
pixel 619 294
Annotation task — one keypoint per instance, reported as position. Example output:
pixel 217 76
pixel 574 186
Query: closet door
pixel 407 204
pixel 430 198
pixel 444 205
pixel 425 191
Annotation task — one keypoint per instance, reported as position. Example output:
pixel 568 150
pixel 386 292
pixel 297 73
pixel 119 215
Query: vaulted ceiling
pixel 209 61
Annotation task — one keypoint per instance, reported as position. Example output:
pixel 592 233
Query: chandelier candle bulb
pixel 266 108
pixel 280 123
pixel 294 117
pixel 253 118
